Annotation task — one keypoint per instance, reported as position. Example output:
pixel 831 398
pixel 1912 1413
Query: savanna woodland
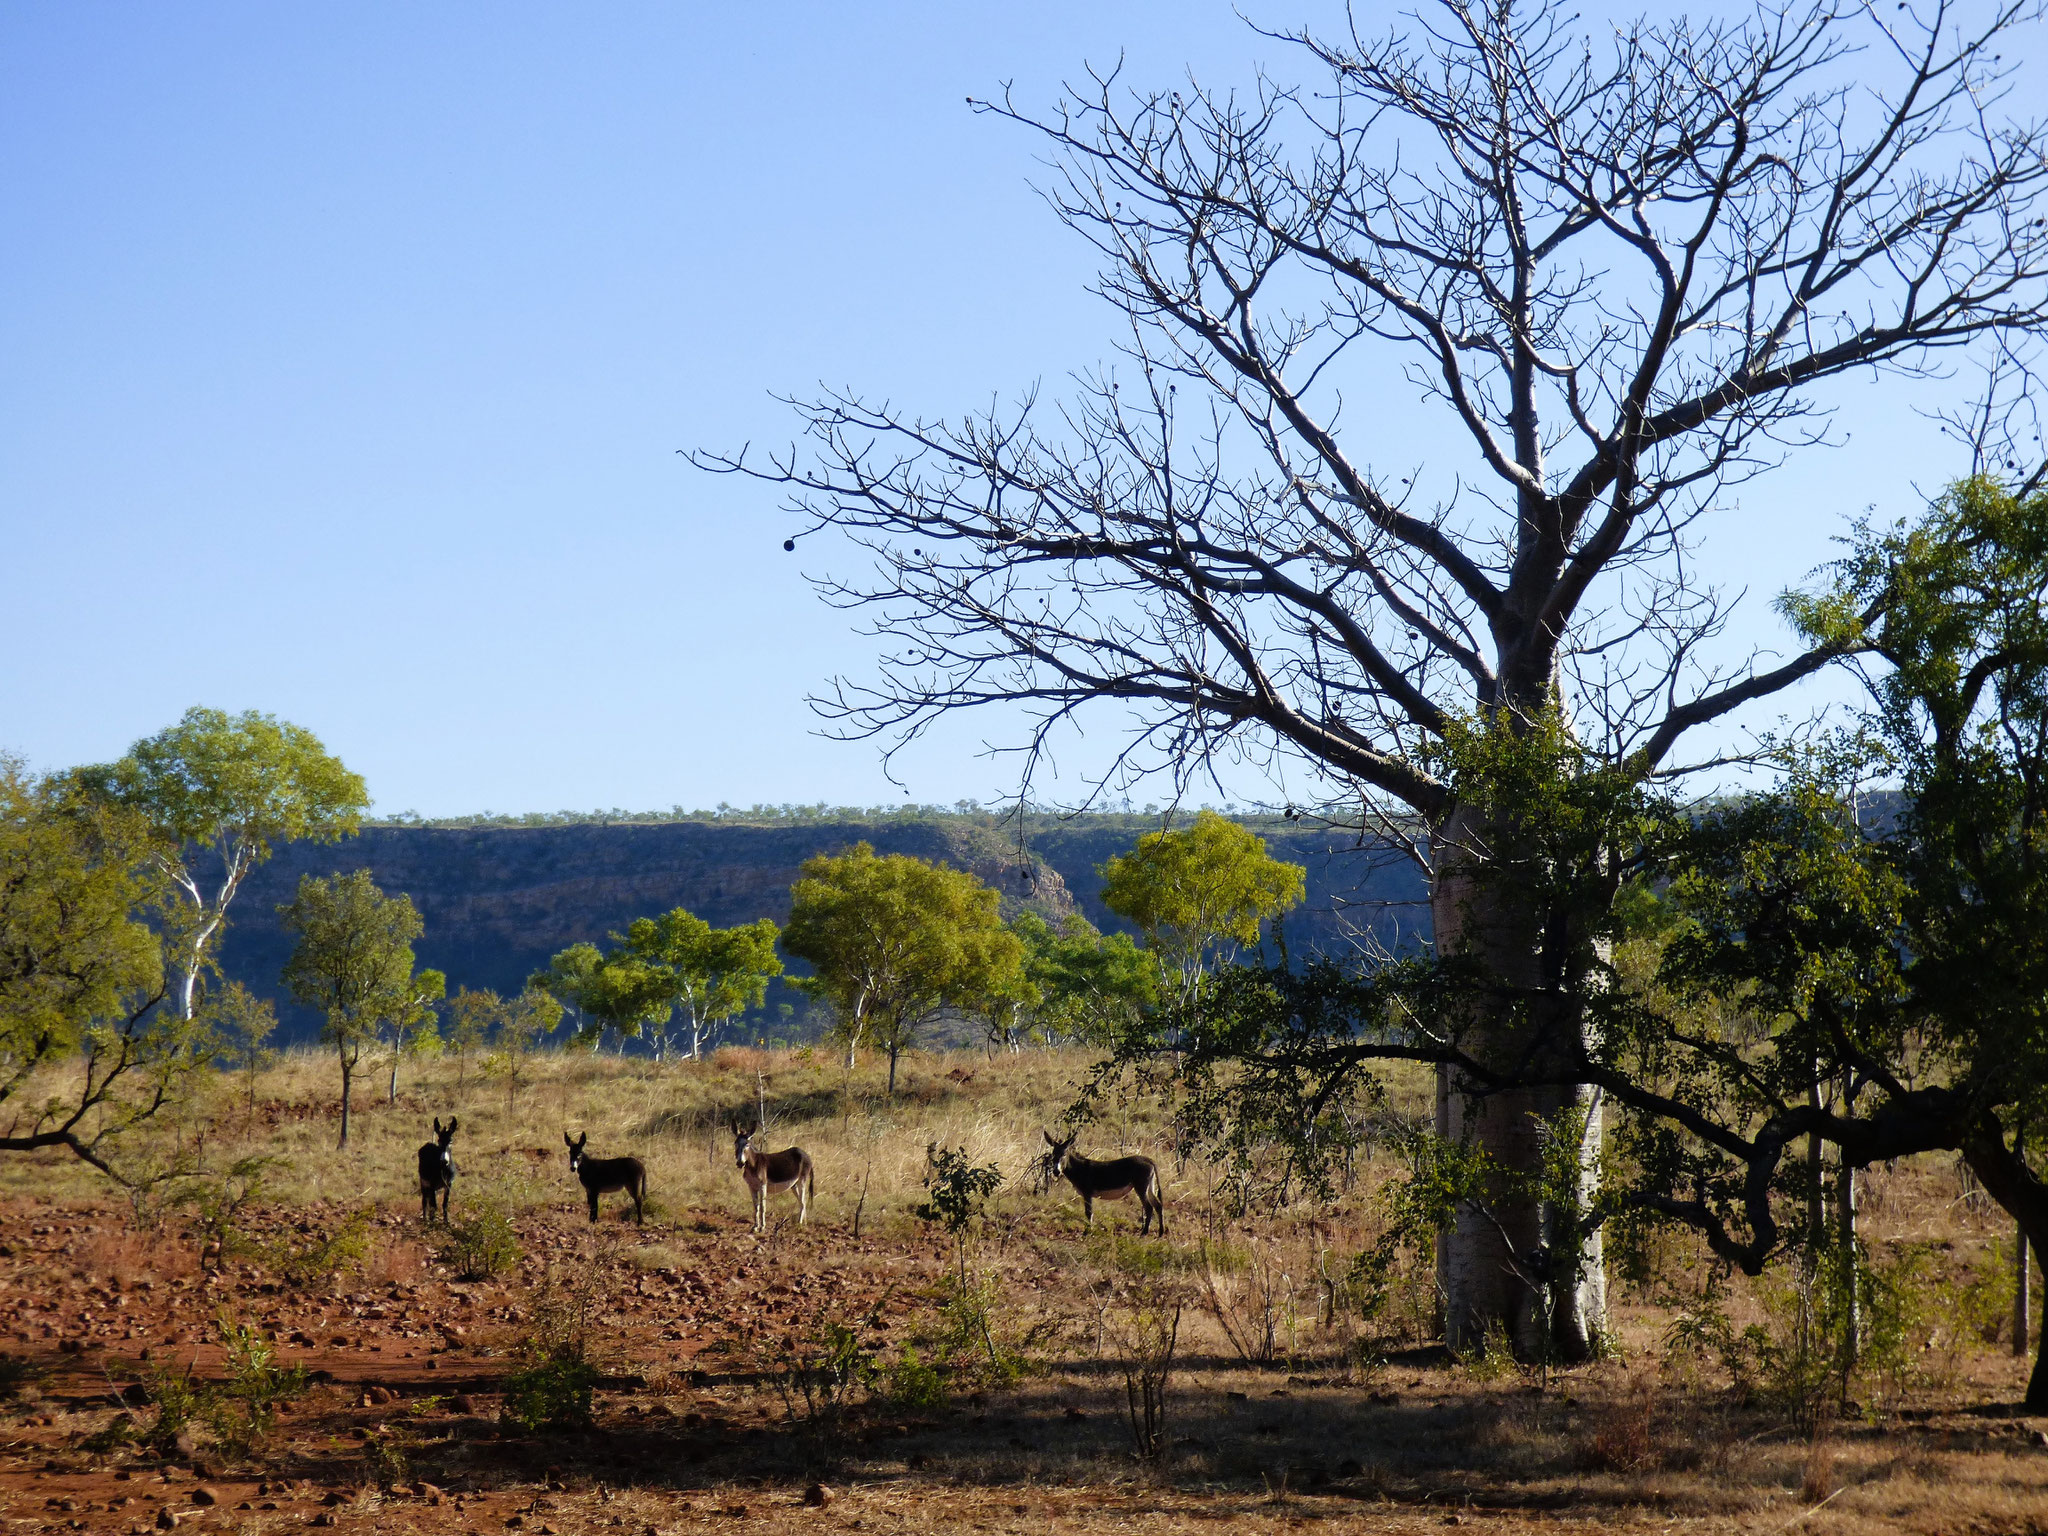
pixel 1684 1169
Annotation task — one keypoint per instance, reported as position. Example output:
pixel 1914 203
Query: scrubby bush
pixel 552 1394
pixel 242 1410
pixel 309 1256
pixel 483 1245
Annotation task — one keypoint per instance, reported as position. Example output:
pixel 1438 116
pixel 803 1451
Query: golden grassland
pixel 1347 1424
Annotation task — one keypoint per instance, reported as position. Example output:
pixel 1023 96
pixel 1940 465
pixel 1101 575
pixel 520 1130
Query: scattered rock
pixel 204 1495
pixel 325 1517
pixel 167 1519
pixel 462 1402
pixel 817 1496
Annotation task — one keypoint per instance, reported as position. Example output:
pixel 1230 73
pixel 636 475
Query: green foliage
pixel 242 1409
pixel 483 1245
pixel 1079 984
pixel 914 1384
pixel 235 785
pixel 310 1256
pixel 551 1394
pixel 242 1022
pixel 1200 893
pixel 959 1189
pixel 87 916
pixel 352 959
pixel 821 1373
pixel 215 779
pixel 706 975
pixel 178 1397
pixel 896 940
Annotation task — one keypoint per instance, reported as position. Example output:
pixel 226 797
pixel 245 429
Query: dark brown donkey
pixel 1111 1179
pixel 437 1171
pixel 770 1173
pixel 603 1175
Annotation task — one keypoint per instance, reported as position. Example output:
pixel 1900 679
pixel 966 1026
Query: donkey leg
pixel 639 1205
pixel 593 1205
pixel 803 1202
pixel 1087 1212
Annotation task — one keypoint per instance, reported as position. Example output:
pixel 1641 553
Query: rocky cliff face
pixel 499 901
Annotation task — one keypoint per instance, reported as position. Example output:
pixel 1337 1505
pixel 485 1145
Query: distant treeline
pixel 1122 815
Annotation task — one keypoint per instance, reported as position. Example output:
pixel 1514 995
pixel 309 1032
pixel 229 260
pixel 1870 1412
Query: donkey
pixel 437 1171
pixel 1111 1179
pixel 604 1175
pixel 770 1173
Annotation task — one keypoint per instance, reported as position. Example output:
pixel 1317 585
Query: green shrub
pixel 915 1384
pixel 308 1257
pixel 553 1394
pixel 818 1376
pixel 178 1399
pixel 483 1245
pixel 242 1410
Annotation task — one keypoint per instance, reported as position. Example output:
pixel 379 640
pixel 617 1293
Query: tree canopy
pixel 352 959
pixel 233 785
pixel 86 915
pixel 895 940
pixel 1200 893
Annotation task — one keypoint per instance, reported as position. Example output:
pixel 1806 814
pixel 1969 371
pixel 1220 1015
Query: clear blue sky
pixel 345 350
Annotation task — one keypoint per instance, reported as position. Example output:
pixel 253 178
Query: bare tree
pixel 1619 267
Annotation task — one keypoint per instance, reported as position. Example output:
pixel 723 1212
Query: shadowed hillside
pixel 498 901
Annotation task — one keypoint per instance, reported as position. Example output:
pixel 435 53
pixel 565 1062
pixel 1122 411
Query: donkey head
pixel 1056 1155
pixel 444 1136
pixel 575 1149
pixel 742 1144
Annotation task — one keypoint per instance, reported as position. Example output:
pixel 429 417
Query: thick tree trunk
pixel 2007 1179
pixel 1487 1260
pixel 347 1083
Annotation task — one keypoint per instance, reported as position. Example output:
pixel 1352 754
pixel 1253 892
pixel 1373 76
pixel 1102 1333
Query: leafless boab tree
pixel 1619 266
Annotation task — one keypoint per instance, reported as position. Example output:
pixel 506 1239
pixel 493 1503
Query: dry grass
pixel 1349 1425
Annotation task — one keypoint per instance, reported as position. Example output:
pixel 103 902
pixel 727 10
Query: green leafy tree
pixel 233 786
pixel 472 1015
pixel 523 1023
pixel 894 942
pixel 411 1029
pixel 708 975
pixel 619 992
pixel 353 961
pixel 1962 712
pixel 1080 984
pixel 88 1047
pixel 1199 894
pixel 244 1023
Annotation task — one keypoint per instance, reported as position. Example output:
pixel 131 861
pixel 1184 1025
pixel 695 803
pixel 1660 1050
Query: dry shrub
pixel 1251 1294
pixel 1817 1480
pixel 397 1260
pixel 1624 1436
pixel 126 1255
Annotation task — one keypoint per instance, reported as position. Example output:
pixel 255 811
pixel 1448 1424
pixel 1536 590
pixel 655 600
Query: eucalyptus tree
pixel 352 959
pixel 89 930
pixel 709 976
pixel 1625 268
pixel 1200 893
pixel 895 941
pixel 232 786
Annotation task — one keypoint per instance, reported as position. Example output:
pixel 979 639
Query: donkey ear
pixel 451 1125
pixel 566 1141
pixel 1048 1138
pixel 437 1125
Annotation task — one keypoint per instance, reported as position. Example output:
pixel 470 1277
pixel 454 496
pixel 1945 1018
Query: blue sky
pixel 345 351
